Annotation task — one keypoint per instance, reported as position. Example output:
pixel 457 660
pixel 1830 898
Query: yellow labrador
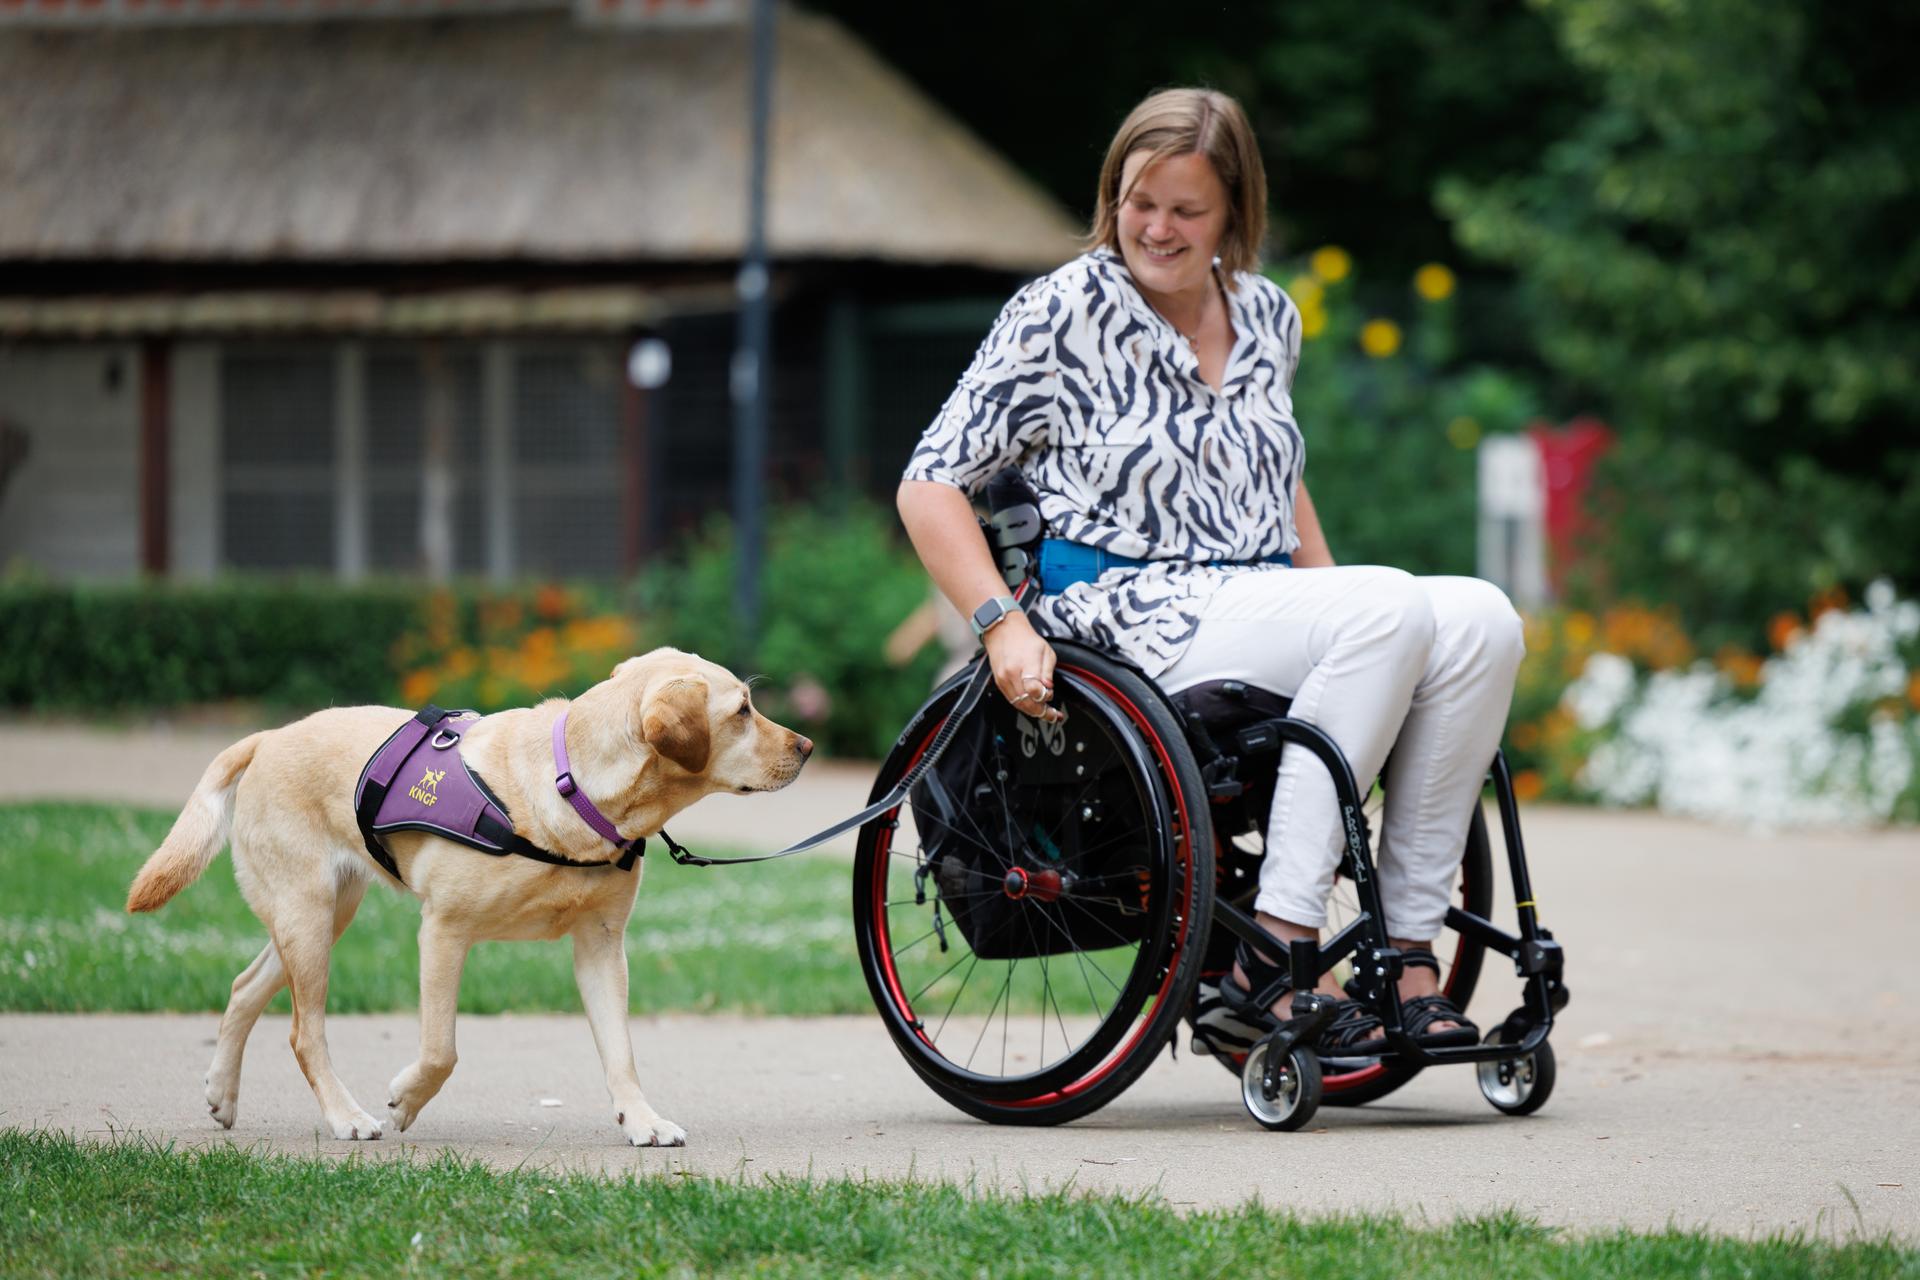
pixel 664 730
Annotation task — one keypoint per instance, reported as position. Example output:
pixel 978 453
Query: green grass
pixel 69 1208
pixel 774 938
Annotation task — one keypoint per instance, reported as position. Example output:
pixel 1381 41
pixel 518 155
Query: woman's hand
pixel 1022 663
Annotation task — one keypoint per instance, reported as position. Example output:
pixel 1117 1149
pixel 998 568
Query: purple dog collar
pixel 571 791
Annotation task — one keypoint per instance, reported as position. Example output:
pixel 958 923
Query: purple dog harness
pixel 418 781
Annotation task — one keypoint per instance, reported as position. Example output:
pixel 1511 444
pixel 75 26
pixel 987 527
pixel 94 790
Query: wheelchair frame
pixel 1281 1075
pixel 1536 956
pixel 1364 940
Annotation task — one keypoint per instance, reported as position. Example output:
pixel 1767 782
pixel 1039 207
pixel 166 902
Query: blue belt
pixel 1063 564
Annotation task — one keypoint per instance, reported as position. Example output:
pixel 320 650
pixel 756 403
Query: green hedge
pixel 161 645
pixel 836 584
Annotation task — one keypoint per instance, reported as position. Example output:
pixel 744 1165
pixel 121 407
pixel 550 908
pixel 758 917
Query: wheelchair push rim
pixel 1060 1032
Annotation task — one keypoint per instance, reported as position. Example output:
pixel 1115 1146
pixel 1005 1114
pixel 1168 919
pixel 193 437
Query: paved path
pixel 1740 1053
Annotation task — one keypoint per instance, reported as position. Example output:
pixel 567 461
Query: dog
pixel 664 730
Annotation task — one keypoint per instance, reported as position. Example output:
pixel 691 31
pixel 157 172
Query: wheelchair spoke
pixel 1086 977
pixel 993 1009
pixel 943 973
pixel 965 978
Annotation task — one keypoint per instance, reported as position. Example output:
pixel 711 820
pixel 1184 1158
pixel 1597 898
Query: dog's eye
pixel 746 708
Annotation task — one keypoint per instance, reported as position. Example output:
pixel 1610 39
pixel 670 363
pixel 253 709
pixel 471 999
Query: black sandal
pixel 1353 1033
pixel 1421 1012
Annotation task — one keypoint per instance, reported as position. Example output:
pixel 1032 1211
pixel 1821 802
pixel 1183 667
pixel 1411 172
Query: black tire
pixel 1461 958
pixel 1147 800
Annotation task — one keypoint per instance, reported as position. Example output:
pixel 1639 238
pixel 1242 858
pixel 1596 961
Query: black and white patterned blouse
pixel 1100 402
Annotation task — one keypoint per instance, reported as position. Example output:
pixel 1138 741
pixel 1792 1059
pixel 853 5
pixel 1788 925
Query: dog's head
pixel 697 730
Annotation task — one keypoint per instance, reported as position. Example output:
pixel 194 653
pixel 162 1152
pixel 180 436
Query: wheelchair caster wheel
pixel 1517 1086
pixel 1296 1088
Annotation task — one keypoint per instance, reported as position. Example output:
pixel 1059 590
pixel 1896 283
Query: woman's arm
pixel 1313 552
pixel 940 522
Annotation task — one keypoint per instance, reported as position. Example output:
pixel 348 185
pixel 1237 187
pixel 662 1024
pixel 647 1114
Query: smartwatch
pixel 990 613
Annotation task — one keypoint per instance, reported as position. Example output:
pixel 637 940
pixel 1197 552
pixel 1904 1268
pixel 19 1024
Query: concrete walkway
pixel 1739 1054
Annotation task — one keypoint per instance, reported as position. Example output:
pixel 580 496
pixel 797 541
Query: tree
pixel 1721 258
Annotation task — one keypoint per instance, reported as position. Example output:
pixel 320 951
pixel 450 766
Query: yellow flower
pixel 1579 629
pixel 1313 322
pixel 1380 338
pixel 1331 263
pixel 1463 433
pixel 1306 292
pixel 1433 282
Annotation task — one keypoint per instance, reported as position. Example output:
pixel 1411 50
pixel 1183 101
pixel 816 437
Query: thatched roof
pixel 518 136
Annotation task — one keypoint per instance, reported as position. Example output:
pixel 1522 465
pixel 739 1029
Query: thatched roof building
pixel 514 136
pixel 274 272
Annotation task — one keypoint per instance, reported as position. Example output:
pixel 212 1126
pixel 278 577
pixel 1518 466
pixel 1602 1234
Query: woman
pixel 1145 390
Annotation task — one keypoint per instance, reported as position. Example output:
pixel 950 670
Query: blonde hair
pixel 1178 122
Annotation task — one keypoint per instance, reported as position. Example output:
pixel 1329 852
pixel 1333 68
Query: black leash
pixel 969 698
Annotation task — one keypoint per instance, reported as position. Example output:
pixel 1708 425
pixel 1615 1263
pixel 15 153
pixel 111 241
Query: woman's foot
pixel 1430 1017
pixel 1354 1030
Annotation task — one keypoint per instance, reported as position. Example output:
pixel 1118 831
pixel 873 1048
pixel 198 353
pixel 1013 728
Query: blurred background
pixel 389 350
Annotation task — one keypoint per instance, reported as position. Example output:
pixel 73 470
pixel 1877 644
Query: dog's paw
pixel 651 1131
pixel 223 1103
pixel 411 1091
pixel 400 1115
pixel 358 1127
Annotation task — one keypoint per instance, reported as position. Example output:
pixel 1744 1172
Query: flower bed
pixel 1826 730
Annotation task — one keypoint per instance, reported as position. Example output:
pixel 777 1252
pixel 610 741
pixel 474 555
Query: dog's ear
pixel 673 721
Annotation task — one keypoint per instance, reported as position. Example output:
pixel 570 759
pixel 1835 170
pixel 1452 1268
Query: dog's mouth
pixel 773 784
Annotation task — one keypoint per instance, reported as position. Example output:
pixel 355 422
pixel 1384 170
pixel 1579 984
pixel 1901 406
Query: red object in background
pixel 1567 455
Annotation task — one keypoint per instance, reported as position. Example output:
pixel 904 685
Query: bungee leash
pixel 970 696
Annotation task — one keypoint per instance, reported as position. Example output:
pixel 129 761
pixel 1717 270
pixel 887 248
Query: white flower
pixel 1684 741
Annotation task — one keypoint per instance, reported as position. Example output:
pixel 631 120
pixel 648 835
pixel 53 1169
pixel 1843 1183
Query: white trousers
pixel 1377 659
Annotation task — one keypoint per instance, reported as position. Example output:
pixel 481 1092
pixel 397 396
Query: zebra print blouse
pixel 1100 402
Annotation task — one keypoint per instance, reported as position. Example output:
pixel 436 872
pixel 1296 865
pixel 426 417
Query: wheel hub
pixel 1042 885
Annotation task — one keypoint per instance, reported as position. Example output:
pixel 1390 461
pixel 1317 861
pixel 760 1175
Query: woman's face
pixel 1171 220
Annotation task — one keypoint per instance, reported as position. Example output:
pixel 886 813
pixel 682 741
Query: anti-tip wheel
pixel 1297 1097
pixel 1518 1086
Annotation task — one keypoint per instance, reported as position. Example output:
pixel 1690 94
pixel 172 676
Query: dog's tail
pixel 198 833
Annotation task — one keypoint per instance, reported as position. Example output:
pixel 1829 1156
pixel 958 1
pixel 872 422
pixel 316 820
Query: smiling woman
pixel 1145 392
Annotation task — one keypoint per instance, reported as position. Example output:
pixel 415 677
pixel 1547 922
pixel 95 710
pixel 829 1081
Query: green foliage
pixel 1721 256
pixel 1359 109
pixel 834 586
pixel 162 644
pixel 1390 434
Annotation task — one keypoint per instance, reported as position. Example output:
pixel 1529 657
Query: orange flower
pixel 1783 631
pixel 552 602
pixel 1579 629
pixel 1525 736
pixel 1528 785
pixel 417 687
pixel 1826 602
pixel 1738 665
pixel 1913 690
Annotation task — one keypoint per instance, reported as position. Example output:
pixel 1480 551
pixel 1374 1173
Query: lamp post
pixel 751 374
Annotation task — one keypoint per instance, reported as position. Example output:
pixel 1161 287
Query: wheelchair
pixel 1035 918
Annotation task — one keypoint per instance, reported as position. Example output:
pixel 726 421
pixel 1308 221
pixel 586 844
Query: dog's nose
pixel 805 744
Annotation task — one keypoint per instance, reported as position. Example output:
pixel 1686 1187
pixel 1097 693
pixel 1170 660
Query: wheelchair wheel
pixel 1460 958
pixel 1029 920
pixel 1296 1087
pixel 1518 1086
